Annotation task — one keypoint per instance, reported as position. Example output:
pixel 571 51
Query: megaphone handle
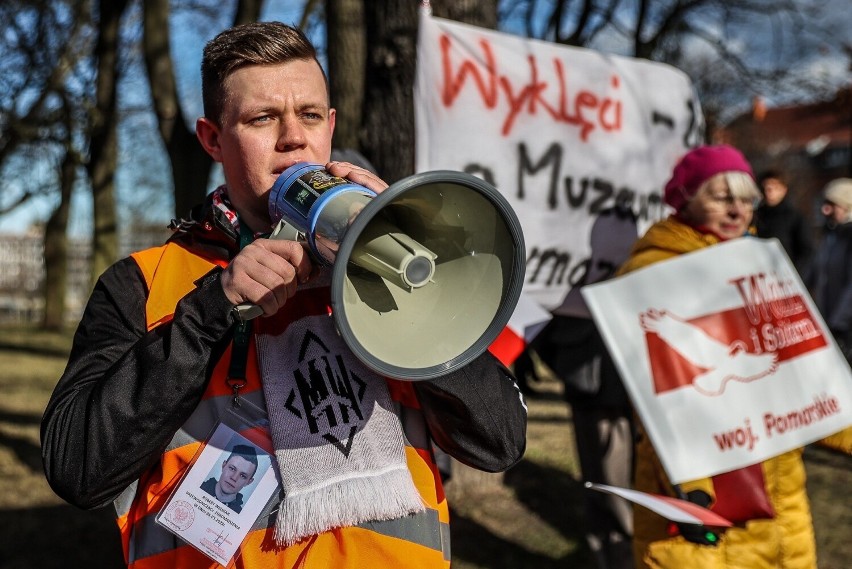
pixel 286 231
pixel 282 230
pixel 244 312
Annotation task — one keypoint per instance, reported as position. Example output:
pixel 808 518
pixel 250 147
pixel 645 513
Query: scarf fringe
pixel 348 503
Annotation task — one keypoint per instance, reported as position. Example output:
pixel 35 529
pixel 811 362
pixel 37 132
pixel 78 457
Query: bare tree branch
pixel 310 7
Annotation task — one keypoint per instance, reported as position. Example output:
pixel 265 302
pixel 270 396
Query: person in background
pixel 161 356
pixel 830 277
pixel 572 347
pixel 776 217
pixel 713 194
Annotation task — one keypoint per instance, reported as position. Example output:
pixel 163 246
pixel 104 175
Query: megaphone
pixel 425 274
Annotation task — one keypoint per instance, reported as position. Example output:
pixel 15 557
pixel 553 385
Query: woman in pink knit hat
pixel 713 194
pixel 712 190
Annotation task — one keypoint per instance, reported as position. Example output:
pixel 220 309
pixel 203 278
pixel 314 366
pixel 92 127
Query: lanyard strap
pixel 236 378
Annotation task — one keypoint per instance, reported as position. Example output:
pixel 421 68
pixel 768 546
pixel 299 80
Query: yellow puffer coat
pixel 784 542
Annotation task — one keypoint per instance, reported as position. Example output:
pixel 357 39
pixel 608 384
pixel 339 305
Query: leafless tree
pixel 346 48
pixel 754 46
pixel 388 124
pixel 190 164
pixel 56 245
pixel 41 38
pixel 103 136
pixel 43 113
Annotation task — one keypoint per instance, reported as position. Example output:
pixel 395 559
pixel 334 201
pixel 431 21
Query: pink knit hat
pixel 699 165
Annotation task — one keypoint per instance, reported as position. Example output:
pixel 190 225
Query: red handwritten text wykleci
pixel 586 109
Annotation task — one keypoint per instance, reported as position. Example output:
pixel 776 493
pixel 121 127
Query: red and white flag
pixel 526 322
pixel 673 509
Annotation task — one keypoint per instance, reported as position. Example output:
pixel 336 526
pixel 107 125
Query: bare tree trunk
pixel 388 138
pixel 388 126
pixel 248 11
pixel 56 248
pixel 190 163
pixel 347 52
pixel 482 13
pixel 103 139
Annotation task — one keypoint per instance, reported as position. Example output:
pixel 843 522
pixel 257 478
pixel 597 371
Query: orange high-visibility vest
pixel 416 541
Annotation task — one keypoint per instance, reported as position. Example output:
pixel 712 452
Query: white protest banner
pixel 725 357
pixel 564 133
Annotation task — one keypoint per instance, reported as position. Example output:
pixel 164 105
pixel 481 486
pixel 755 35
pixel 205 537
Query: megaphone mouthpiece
pixel 388 252
pixel 319 205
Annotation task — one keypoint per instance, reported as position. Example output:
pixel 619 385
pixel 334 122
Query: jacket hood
pixel 207 230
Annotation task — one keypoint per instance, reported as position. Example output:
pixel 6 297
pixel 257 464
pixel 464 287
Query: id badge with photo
pixel 226 486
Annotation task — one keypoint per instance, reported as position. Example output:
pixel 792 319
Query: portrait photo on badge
pixel 236 473
pixel 221 495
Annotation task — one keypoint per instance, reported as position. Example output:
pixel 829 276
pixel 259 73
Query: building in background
pixel 22 271
pixel 810 143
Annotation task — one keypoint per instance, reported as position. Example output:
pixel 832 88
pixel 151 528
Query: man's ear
pixel 208 135
pixel 332 119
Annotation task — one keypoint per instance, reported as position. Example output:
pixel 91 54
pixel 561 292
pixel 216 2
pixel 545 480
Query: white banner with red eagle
pixel 564 133
pixel 725 357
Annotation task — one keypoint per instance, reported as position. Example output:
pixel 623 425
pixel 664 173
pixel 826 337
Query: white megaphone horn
pixel 426 274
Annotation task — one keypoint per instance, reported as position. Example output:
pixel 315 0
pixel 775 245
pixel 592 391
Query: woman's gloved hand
pixel 699 534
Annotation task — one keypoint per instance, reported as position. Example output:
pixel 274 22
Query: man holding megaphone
pixel 162 355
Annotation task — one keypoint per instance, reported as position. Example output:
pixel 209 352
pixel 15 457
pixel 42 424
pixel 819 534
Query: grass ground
pixel 530 517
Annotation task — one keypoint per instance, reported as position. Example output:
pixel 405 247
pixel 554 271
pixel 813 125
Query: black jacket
pixel 236 504
pixel 790 227
pixel 126 391
pixel 830 280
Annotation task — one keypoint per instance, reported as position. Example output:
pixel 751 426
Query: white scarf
pixel 338 439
